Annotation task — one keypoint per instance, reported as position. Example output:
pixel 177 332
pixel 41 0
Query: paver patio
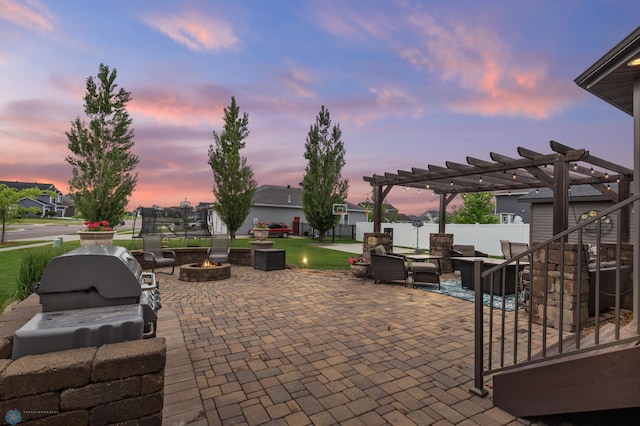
pixel 295 347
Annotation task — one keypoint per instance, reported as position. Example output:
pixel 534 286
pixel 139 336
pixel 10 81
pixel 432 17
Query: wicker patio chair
pixel 387 267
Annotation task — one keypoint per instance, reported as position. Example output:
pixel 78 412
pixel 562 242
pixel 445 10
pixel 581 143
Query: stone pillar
pixel 441 245
pixel 373 239
pixel 553 280
pixel 258 245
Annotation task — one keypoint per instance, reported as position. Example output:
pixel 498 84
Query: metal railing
pixel 507 340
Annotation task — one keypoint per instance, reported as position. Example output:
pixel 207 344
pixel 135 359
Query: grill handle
pixel 146 285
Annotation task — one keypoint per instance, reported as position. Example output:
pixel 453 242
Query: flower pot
pixel 261 234
pixel 100 238
pixel 360 270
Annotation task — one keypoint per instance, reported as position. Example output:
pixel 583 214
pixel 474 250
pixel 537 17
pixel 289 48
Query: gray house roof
pixel 283 196
pixel 27 185
pixel 584 192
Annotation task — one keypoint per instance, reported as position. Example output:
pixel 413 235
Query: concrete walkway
pixel 296 347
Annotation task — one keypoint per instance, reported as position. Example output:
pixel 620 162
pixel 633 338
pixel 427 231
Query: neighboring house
pixel 283 204
pixel 44 203
pixel 583 201
pixel 510 208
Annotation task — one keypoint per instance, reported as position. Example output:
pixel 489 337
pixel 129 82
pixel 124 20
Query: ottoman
pixel 425 273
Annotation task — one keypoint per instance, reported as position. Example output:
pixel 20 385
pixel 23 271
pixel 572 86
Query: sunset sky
pixel 410 83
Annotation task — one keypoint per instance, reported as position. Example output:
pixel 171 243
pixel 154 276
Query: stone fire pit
pixel 196 272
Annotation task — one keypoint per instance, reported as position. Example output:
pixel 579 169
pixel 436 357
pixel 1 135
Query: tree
pixel 10 208
pixel 233 185
pixel 101 157
pixel 478 208
pixel 322 184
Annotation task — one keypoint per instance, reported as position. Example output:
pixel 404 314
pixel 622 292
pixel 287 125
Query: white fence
pixel 485 238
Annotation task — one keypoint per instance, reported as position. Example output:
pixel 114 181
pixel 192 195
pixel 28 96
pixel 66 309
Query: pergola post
pixel 560 196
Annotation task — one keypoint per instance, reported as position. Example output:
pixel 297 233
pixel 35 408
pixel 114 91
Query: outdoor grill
pixel 91 296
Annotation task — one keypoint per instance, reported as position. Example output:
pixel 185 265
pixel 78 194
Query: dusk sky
pixel 410 83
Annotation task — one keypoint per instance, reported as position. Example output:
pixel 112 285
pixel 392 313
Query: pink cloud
pixel 495 81
pixel 33 14
pixel 197 31
pixel 181 106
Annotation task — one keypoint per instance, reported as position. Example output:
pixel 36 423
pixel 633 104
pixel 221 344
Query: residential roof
pixel 612 77
pixel 584 192
pixel 26 185
pixel 285 196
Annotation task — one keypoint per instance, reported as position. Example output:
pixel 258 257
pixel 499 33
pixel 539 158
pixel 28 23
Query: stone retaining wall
pixel 116 383
pixel 237 256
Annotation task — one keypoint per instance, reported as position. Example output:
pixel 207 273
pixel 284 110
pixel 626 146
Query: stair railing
pixel 503 334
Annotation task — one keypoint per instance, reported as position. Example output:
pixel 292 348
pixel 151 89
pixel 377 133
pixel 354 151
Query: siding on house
pixel 584 199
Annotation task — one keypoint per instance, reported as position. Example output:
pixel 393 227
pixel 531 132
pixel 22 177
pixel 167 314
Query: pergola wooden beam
pixel 529 171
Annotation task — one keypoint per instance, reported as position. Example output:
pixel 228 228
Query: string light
pixel 537 190
pixel 575 166
pixel 606 174
pixel 428 186
pixel 618 179
pixel 480 180
pixel 514 176
pixel 451 183
pixel 608 187
pixel 592 171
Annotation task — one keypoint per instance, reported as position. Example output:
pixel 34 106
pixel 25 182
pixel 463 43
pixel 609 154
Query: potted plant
pixel 102 162
pixel 96 233
pixel 359 266
pixel 261 231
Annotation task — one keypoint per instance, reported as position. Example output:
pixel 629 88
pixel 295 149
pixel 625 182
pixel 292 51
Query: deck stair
pixel 604 378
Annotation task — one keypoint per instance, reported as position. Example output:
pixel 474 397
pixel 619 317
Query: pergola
pixel 558 170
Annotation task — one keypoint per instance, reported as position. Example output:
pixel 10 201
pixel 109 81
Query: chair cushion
pixel 380 250
pixel 423 267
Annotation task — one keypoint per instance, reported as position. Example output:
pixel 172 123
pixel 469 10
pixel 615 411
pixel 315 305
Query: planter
pixel 261 234
pixel 101 238
pixel 360 270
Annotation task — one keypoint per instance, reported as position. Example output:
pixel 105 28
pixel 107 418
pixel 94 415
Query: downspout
pixel 636 204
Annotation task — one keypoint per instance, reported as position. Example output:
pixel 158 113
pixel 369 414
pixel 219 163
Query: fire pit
pixel 205 271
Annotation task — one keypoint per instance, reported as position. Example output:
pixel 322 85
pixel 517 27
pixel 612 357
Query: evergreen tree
pixel 102 160
pixel 322 184
pixel 478 208
pixel 234 185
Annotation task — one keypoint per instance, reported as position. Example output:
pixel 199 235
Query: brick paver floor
pixel 296 347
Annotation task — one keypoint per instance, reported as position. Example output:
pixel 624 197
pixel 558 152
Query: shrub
pixel 31 269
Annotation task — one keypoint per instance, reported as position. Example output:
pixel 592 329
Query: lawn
pixel 301 253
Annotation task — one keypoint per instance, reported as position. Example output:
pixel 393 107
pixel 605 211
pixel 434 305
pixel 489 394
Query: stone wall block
pixel 34 374
pixel 124 359
pixel 127 409
pixel 99 393
pixel 151 383
pixel 33 406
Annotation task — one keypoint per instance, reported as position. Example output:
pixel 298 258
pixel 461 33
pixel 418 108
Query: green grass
pixel 297 249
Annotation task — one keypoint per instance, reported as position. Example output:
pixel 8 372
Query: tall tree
pixel 322 184
pixel 10 208
pixel 233 185
pixel 101 156
pixel 478 208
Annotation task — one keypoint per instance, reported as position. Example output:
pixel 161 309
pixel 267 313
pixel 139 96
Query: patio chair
pixel 460 250
pixel 152 252
pixel 387 267
pixel 219 250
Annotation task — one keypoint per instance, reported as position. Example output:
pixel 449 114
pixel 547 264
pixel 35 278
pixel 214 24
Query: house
pixel 510 208
pixel 584 202
pixel 283 204
pixel 46 204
